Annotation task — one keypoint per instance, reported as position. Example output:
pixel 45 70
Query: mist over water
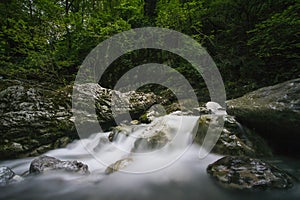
pixel 173 171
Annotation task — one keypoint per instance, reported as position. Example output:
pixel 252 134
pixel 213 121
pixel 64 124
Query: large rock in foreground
pixel 248 173
pixel 47 163
pixel 35 118
pixel 273 112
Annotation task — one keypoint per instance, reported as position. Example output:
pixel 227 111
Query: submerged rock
pixel 7 176
pixel 150 143
pixel 122 129
pixel 274 113
pixel 117 166
pixel 46 163
pixel 249 173
pixel 147 137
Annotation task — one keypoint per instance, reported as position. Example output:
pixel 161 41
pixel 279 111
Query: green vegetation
pixel 254 43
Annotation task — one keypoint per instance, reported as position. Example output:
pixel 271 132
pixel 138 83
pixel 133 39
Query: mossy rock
pixel 234 139
pixel 118 165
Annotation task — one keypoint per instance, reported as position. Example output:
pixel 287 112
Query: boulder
pixel 274 113
pixel 111 106
pixel 47 163
pixel 248 173
pixel 94 105
pixel 35 118
pixel 235 139
pixel 7 176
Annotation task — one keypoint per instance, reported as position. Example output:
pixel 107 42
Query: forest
pixel 226 129
pixel 254 43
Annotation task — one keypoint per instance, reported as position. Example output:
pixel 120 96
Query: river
pixel 173 171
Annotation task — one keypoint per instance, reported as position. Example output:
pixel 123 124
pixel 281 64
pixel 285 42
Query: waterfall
pixel 151 146
pixel 166 168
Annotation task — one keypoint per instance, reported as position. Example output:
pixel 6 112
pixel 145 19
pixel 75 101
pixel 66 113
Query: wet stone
pixel 47 163
pixel 248 173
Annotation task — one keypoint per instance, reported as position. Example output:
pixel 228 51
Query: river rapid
pixel 173 171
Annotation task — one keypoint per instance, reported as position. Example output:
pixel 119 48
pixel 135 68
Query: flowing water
pixel 170 171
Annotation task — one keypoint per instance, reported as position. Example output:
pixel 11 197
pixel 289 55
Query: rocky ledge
pixel 35 118
pixel 248 173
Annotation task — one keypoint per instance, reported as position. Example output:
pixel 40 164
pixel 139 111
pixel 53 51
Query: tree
pixel 276 41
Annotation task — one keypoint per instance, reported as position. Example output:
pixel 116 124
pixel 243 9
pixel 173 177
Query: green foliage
pixel 171 15
pixel 277 36
pixel 183 16
pixel 254 43
pixel 53 37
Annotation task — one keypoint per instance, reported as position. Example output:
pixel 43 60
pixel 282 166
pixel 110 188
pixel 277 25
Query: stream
pixel 169 171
